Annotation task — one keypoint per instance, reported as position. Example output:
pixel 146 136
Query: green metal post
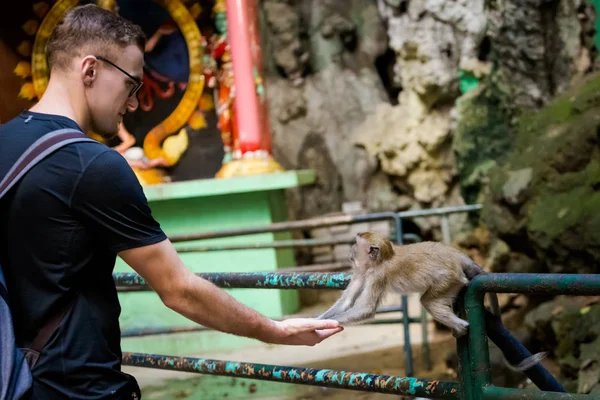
pixel 462 347
pixel 478 343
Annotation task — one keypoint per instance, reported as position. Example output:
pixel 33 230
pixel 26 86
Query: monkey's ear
pixel 374 252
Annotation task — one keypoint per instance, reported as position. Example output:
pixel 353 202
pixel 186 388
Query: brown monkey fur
pixel 435 270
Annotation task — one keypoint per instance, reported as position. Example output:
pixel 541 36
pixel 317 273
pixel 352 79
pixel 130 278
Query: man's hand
pixel 204 303
pixel 303 331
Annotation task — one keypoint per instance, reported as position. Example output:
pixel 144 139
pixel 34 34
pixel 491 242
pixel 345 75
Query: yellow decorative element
pixel 23 69
pixel 30 27
pixel 207 103
pixel 24 48
pixel 219 6
pixel 40 9
pixel 249 166
pixel 110 5
pixel 189 102
pixel 195 10
pixel 27 91
pixel 152 176
pixel 175 146
pixel 197 121
pixel 39 65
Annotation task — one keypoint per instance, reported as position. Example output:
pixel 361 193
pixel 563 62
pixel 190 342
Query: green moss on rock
pixel 484 133
pixel 556 212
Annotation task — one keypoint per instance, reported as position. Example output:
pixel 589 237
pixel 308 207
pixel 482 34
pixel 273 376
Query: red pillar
pixel 246 104
pixel 251 111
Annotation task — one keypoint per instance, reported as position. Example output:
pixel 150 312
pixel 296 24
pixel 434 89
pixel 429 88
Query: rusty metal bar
pixel 149 331
pixel 329 267
pixel 322 222
pixel 262 280
pixel 283 244
pixel 298 375
pixel 161 330
pixel 280 244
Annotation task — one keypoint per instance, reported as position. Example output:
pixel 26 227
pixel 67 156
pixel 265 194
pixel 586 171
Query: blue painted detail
pixel 232 366
pixel 293 374
pixel 414 383
pixel 278 374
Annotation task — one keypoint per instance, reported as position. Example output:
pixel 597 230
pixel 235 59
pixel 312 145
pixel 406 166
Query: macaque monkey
pixel 437 271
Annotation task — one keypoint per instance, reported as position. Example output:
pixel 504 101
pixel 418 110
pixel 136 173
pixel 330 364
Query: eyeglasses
pixel 138 81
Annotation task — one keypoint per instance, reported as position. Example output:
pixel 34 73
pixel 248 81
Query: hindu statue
pixel 218 70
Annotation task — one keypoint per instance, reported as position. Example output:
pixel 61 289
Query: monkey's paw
pixel 460 330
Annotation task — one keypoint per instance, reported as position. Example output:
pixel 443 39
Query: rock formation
pixel 329 61
pixel 543 201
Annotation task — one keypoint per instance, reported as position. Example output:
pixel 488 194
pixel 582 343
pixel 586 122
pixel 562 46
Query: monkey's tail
pixel 526 363
pixel 471 270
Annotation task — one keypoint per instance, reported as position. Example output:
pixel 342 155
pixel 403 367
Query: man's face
pixel 112 93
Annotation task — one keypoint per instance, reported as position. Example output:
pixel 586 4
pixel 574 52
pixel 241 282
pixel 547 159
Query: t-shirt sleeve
pixel 113 206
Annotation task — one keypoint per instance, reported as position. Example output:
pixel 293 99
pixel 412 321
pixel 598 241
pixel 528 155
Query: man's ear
pixel 89 70
pixel 373 252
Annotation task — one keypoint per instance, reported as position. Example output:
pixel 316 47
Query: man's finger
pixel 325 333
pixel 324 324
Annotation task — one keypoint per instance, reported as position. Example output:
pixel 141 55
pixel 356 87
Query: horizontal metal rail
pixel 359 381
pixel 329 267
pixel 284 244
pixel 256 280
pixel 150 331
pixel 321 222
pixel 160 330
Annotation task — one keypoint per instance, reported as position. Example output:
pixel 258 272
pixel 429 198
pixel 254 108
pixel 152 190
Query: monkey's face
pixel 371 249
pixel 364 254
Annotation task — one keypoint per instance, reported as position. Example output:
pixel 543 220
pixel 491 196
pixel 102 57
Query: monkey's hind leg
pixel 440 308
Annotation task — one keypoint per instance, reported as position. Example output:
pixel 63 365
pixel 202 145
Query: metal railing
pixel 474 366
pixel 126 282
pixel 474 361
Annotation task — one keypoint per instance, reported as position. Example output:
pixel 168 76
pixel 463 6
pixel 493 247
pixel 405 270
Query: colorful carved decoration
pixel 193 92
pixel 252 144
pixel 219 70
pixel 167 141
pixel 151 89
pixel 155 139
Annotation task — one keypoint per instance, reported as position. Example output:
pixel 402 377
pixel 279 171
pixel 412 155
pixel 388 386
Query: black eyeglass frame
pixel 138 81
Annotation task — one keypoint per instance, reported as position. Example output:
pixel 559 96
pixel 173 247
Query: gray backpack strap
pixel 40 149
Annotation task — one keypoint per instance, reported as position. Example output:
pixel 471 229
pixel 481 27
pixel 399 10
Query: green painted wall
pixel 208 205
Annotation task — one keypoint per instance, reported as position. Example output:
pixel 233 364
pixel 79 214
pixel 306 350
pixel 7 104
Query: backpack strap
pixel 39 150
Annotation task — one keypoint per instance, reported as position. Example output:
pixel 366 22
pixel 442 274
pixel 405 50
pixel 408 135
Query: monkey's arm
pixel 347 299
pixel 365 305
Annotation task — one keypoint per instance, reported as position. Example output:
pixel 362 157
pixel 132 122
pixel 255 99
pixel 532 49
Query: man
pixel 64 223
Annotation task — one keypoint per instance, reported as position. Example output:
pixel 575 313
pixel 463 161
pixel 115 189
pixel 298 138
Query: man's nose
pixel 132 103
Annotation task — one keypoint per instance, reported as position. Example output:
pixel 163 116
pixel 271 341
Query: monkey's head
pixel 371 249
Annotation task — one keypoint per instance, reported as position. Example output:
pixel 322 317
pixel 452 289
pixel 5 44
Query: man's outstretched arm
pixel 204 303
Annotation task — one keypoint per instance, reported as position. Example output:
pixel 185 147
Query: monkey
pixel 435 270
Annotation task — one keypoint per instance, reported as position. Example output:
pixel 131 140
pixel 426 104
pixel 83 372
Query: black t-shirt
pixel 61 227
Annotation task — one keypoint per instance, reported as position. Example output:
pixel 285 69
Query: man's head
pixel 102 55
